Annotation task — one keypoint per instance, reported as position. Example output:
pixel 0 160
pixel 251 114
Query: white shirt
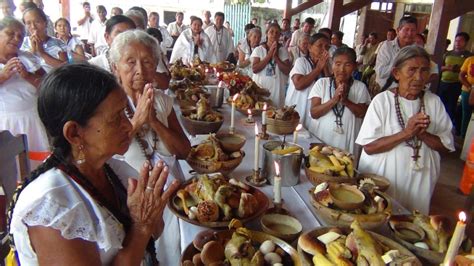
pixel 52 46
pixel 72 43
pixel 206 25
pixel 324 126
pixel 295 53
pixel 184 48
pixel 175 29
pixel 96 34
pixel 84 29
pixel 101 61
pixel 54 200
pixel 300 97
pixel 222 44
pixel 385 61
pixel 271 78
pixel 297 34
pixel 412 188
pixel 167 39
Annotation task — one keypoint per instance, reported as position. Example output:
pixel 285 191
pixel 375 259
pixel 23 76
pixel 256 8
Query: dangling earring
pixel 81 158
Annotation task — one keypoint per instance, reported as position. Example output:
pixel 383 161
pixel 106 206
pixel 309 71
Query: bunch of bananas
pixel 331 161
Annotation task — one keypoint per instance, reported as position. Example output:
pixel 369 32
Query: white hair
pixel 128 37
pixel 132 13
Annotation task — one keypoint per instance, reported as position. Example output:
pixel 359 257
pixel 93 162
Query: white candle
pixel 257 149
pixel 295 134
pixel 232 113
pixel 277 185
pixel 264 114
pixel 249 112
pixel 456 240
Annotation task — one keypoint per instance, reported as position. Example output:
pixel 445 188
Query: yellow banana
pixel 321 260
pixel 334 160
pixel 286 150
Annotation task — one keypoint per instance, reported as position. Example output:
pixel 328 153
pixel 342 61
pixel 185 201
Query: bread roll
pixel 310 244
pixel 208 211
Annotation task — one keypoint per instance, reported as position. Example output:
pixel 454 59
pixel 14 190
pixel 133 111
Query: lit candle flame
pixel 235 97
pixel 207 70
pixel 462 217
pixel 277 169
pixel 221 84
pixel 298 128
pixel 249 111
pixel 265 107
pixel 256 129
pixel 215 70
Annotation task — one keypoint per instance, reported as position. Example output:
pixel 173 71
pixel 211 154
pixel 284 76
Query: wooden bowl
pixel 390 244
pixel 343 218
pixel 346 197
pixel 281 127
pixel 207 167
pixel 231 142
pixel 175 207
pixel 256 236
pixel 318 178
pixel 282 226
pixel 195 127
pixel 380 181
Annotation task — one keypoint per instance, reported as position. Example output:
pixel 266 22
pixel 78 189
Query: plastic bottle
pixel 467 180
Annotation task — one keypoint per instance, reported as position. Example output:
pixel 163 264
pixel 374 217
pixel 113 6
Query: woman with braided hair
pixel 404 131
pixel 81 207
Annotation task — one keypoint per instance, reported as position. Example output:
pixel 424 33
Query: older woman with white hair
pixel 246 48
pixel 157 133
pixel 404 130
pixel 300 50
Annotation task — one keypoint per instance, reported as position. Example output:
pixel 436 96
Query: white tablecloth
pixel 296 198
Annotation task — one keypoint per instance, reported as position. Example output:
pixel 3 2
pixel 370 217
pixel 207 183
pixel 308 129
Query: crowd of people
pixel 97 124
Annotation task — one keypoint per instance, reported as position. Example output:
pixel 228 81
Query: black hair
pixel 374 34
pixel 153 13
pixel 219 14
pixel 249 27
pixel 141 10
pixel 101 7
pixel 310 21
pixel 463 34
pixel 349 52
pixel 338 34
pixel 28 5
pixel 39 11
pixel 194 18
pixel 392 30
pixel 155 33
pixel 326 31
pixel 111 22
pixel 285 19
pixel 422 37
pixel 69 93
pixel 317 36
pixel 407 20
pixel 65 21
pixel 86 3
pixel 273 25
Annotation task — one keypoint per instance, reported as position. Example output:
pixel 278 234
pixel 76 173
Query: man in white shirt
pixel 206 22
pixel 154 22
pixel 222 44
pixel 306 29
pixel 175 28
pixel 391 35
pixel 97 31
pixel 84 25
pixel 406 32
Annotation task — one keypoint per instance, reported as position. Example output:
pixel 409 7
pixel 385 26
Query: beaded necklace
pixel 221 33
pixel 140 137
pixel 414 142
pixel 339 108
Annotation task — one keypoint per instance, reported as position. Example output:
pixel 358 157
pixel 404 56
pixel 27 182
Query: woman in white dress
pixel 80 207
pixel 20 75
pixel 271 65
pixel 339 103
pixel 246 48
pixel 404 131
pixel 304 74
pixel 191 43
pixel 157 133
pixel 75 51
pixel 51 52
pixel 299 50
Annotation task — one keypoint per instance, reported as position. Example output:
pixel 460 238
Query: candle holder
pixel 231 130
pixel 249 119
pixel 256 179
pixel 263 134
pixel 278 208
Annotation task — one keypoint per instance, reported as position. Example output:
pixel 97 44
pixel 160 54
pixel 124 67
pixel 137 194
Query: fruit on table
pixel 331 161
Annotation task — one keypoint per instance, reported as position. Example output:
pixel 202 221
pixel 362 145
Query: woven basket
pixel 195 127
pixel 281 127
pixel 207 167
pixel 318 178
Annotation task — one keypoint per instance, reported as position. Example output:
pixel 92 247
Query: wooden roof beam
pixel 337 9
pixel 289 12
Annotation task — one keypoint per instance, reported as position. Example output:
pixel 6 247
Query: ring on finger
pixel 148 188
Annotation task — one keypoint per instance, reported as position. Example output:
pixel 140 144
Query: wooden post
pixel 287 12
pixel 335 14
pixel 361 23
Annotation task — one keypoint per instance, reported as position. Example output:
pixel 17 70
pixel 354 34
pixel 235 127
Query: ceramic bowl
pixel 231 142
pixel 282 226
pixel 346 197
pixel 409 231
